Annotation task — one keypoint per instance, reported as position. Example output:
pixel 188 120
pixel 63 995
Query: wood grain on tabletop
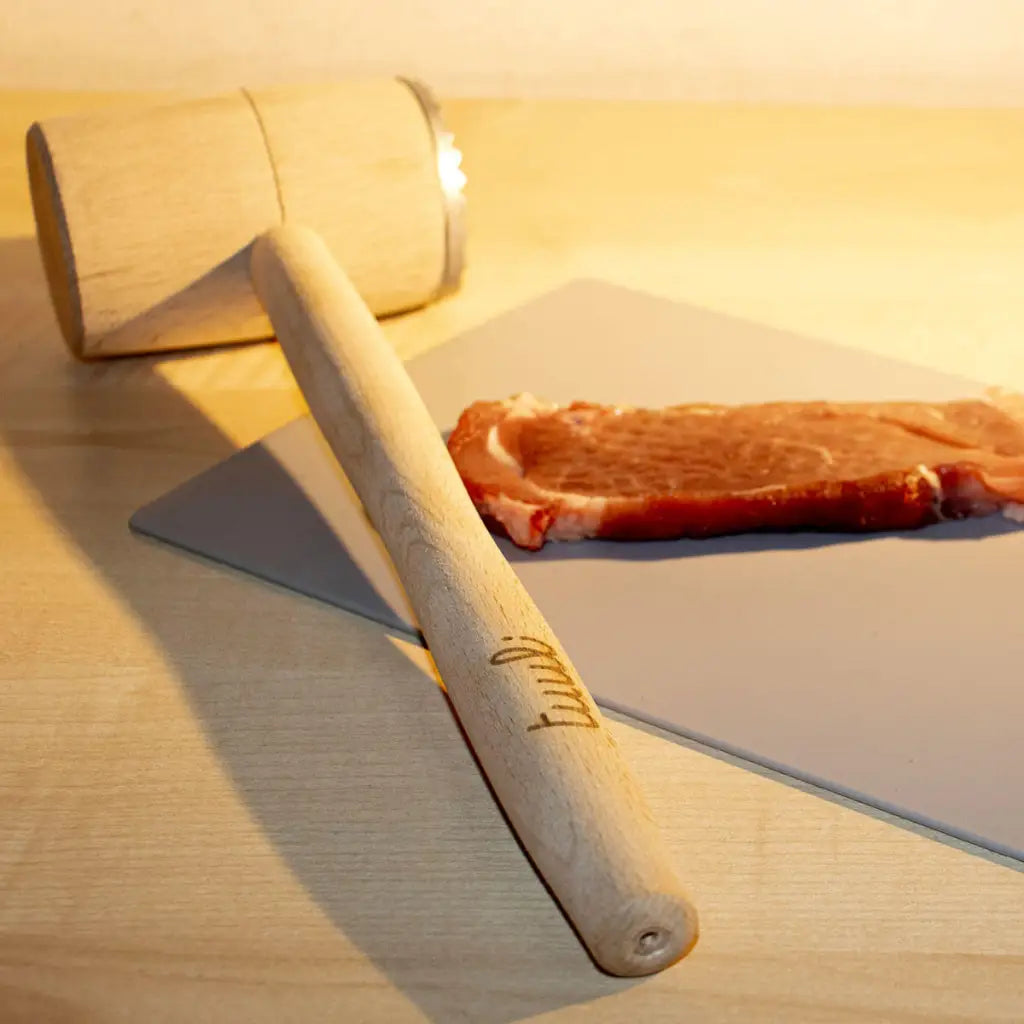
pixel 220 801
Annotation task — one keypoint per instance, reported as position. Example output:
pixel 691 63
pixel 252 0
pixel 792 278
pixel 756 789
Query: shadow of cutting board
pixel 886 668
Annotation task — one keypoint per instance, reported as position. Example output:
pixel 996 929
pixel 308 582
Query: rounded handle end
pixel 647 936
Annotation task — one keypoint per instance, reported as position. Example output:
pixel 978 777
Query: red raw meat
pixel 538 471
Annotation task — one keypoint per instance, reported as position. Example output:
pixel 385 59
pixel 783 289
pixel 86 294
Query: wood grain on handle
pixel 534 727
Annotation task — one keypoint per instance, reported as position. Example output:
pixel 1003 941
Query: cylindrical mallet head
pixel 145 217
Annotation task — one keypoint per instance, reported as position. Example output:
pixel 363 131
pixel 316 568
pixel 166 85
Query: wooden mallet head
pixel 145 217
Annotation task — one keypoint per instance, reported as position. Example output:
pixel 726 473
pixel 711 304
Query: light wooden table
pixel 222 802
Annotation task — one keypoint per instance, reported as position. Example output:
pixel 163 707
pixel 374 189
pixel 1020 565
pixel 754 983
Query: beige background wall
pixel 912 51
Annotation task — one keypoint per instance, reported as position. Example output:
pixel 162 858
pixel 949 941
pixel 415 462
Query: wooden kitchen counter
pixel 223 802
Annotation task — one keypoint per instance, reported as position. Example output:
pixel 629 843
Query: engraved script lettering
pixel 551 673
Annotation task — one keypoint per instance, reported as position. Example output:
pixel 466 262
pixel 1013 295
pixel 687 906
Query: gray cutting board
pixel 886 668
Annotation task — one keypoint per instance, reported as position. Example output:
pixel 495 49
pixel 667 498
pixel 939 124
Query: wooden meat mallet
pixel 535 729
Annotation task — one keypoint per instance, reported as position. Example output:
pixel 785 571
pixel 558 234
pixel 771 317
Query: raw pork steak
pixel 539 471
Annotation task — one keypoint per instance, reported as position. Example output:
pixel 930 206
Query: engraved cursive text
pixel 550 672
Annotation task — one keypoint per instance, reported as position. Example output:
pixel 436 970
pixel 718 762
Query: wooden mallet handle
pixel 535 729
